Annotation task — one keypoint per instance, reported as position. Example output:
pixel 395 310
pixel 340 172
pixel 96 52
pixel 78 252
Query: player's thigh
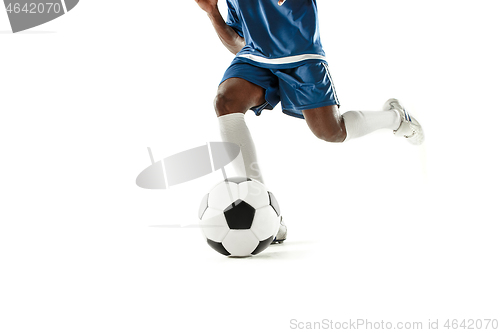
pixel 236 95
pixel 326 123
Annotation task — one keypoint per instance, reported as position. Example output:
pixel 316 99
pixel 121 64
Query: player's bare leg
pixel 326 123
pixel 236 95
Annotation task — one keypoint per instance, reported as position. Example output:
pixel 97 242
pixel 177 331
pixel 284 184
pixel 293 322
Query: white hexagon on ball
pixel 254 193
pixel 223 195
pixel 214 225
pixel 265 223
pixel 240 243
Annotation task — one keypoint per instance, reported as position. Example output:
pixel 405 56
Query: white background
pixel 378 229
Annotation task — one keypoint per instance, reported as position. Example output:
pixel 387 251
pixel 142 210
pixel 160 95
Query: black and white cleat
pixel 282 233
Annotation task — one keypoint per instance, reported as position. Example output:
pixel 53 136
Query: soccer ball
pixel 239 217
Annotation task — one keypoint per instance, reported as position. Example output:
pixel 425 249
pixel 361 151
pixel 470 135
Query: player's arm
pixel 231 40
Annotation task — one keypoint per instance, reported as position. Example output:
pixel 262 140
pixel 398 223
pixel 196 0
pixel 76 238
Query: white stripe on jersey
pixel 284 60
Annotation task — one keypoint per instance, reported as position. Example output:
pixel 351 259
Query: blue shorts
pixel 304 87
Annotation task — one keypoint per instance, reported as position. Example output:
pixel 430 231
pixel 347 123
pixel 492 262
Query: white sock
pixel 233 128
pixel 360 123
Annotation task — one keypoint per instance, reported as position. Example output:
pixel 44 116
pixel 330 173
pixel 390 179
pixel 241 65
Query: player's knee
pixel 221 105
pixel 336 135
pixel 224 104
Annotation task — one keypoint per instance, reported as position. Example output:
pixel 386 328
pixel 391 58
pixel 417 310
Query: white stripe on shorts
pixel 331 81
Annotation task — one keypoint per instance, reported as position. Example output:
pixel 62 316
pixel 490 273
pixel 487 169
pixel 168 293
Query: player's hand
pixel 207 5
pixel 280 2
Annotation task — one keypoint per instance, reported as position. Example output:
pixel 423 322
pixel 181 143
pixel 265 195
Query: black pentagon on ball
pixel 263 245
pixel 274 203
pixel 239 215
pixel 218 247
pixel 238 180
pixel 203 206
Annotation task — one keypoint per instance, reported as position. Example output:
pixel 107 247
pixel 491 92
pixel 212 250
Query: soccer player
pixel 279 58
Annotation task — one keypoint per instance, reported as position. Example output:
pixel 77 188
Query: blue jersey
pixel 276 36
